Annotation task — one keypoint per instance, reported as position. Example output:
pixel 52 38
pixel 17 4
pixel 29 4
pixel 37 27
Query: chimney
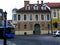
pixel 41 2
pixel 38 2
pixel 26 2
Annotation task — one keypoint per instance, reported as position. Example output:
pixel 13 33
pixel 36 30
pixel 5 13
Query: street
pixel 8 42
pixel 36 40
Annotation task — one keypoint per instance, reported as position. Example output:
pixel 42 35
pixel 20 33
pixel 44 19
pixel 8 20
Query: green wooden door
pixel 37 29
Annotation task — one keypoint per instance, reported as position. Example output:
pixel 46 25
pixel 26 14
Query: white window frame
pixel 30 17
pixel 37 16
pixel 26 17
pixel 28 7
pixel 49 17
pixel 35 7
pixel 20 16
pixel 53 15
pixel 14 17
pixel 41 19
pixel 43 7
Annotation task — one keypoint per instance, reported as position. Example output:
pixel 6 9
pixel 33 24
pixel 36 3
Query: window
pixel 48 17
pixel 42 26
pixel 27 7
pixel 18 17
pixel 18 26
pixel 31 26
pixel 49 26
pixel 24 16
pixel 54 14
pixel 36 17
pixel 14 16
pixel 25 26
pixel 35 7
pixel 30 16
pixel 44 7
pixel 42 17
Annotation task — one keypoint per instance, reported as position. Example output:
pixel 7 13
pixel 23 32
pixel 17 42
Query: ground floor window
pixel 42 26
pixel 18 26
pixel 49 26
pixel 25 26
pixel 31 26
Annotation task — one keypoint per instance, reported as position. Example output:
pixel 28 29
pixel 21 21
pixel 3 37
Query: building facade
pixel 1 16
pixel 35 18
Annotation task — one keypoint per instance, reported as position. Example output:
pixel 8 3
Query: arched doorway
pixel 37 29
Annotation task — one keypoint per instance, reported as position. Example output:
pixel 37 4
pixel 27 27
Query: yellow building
pixel 56 18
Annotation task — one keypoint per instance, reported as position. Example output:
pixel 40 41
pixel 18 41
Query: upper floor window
pixel 54 13
pixel 30 16
pixel 14 16
pixel 48 17
pixel 36 17
pixel 42 17
pixel 25 26
pixel 24 16
pixel 27 7
pixel 44 7
pixel 35 7
pixel 18 17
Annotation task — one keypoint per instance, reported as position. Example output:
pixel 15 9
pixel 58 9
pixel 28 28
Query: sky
pixel 8 5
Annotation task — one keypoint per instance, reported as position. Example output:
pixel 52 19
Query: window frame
pixel 14 16
pixel 48 18
pixel 49 26
pixel 41 17
pixel 27 7
pixel 25 17
pixel 19 17
pixel 25 26
pixel 35 7
pixel 36 17
pixel 30 16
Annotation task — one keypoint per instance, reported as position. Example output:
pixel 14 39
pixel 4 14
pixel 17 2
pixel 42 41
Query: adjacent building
pixel 1 16
pixel 36 18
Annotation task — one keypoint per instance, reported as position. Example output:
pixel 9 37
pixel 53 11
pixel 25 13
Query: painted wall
pixel 57 19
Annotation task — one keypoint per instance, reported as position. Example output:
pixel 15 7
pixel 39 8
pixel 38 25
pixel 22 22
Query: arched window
pixel 25 26
pixel 14 16
pixel 42 17
pixel 43 7
pixel 30 16
pixel 25 17
pixel 48 17
pixel 36 17
pixel 42 26
pixel 35 7
pixel 54 14
pixel 27 7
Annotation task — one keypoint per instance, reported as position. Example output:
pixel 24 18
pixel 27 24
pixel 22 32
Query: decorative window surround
pixel 35 7
pixel 27 7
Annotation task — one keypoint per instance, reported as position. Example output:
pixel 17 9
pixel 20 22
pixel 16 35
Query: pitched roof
pixel 51 5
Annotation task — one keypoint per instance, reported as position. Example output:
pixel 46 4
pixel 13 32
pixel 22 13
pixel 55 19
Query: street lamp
pixel 5 15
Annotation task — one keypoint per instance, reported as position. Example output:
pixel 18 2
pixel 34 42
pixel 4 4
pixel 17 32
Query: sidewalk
pixel 8 42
